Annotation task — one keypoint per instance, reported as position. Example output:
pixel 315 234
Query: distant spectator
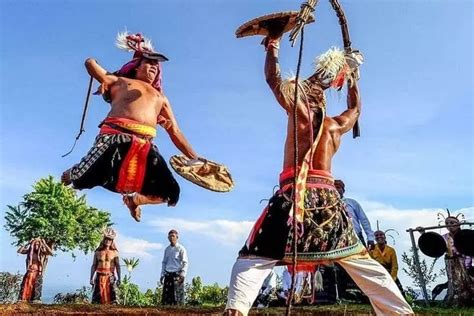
pixel 173 271
pixel 386 256
pixel 357 215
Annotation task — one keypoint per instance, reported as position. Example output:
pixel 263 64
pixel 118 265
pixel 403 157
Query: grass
pixel 89 309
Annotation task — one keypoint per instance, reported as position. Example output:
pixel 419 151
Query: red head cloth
pixel 143 49
pixel 129 68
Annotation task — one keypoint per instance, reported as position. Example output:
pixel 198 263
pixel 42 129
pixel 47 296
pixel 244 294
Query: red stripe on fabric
pixel 289 173
pixel 303 267
pixel 108 130
pixel 137 153
pixel 141 170
pixel 256 227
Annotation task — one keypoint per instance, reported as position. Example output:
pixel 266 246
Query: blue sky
pixel 414 157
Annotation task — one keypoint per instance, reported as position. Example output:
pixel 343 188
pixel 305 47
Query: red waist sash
pixel 316 179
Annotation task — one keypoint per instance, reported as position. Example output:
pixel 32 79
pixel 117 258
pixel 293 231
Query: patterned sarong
pixel 104 289
pixel 460 283
pixel 325 233
pixel 123 159
pixel 31 286
pixel 173 289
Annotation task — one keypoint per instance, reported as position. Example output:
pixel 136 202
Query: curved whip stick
pixel 81 129
pixel 347 46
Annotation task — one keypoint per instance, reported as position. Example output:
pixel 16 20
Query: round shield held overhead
pixel 205 173
pixel 262 25
pixel 432 244
pixel 464 242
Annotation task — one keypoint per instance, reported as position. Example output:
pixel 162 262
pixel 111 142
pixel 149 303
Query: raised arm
pixel 48 251
pixel 347 119
pixel 272 69
pixel 24 249
pixel 167 120
pixel 100 74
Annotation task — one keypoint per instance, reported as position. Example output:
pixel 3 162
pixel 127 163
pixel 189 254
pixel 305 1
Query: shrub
pixel 9 287
pixel 80 296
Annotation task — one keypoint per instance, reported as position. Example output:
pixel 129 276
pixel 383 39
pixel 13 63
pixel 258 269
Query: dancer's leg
pixel 245 282
pixel 377 284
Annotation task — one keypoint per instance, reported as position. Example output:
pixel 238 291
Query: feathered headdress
pixel 142 48
pixel 334 67
pixel 287 88
pixel 139 44
pixel 109 233
pixel 386 231
pixel 442 218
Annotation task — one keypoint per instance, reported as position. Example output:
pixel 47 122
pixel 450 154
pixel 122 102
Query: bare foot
pixel 135 210
pixel 66 177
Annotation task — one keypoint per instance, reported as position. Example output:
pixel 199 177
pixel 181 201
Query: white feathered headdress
pixel 139 44
pixel 334 67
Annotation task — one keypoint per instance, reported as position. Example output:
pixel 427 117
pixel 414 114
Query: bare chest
pixel 106 256
pixel 130 90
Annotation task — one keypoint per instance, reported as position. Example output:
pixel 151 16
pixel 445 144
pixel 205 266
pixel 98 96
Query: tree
pixel 427 271
pixel 55 213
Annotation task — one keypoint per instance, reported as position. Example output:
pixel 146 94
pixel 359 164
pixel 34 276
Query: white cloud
pixel 223 231
pixel 129 246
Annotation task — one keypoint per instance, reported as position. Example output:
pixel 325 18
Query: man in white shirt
pixel 173 271
pixel 357 215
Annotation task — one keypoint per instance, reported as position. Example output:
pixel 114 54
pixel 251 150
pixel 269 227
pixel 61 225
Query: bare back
pixel 333 128
pixel 136 100
pixel 325 150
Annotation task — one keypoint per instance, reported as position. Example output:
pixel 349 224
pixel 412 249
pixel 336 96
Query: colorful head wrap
pixel 143 49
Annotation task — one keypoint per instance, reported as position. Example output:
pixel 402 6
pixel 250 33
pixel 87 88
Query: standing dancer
pixel 104 266
pixel 37 252
pixel 325 232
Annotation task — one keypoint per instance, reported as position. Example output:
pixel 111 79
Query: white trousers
pixel 248 275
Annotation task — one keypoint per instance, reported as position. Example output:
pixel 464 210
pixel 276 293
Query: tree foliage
pixel 427 270
pixel 55 213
